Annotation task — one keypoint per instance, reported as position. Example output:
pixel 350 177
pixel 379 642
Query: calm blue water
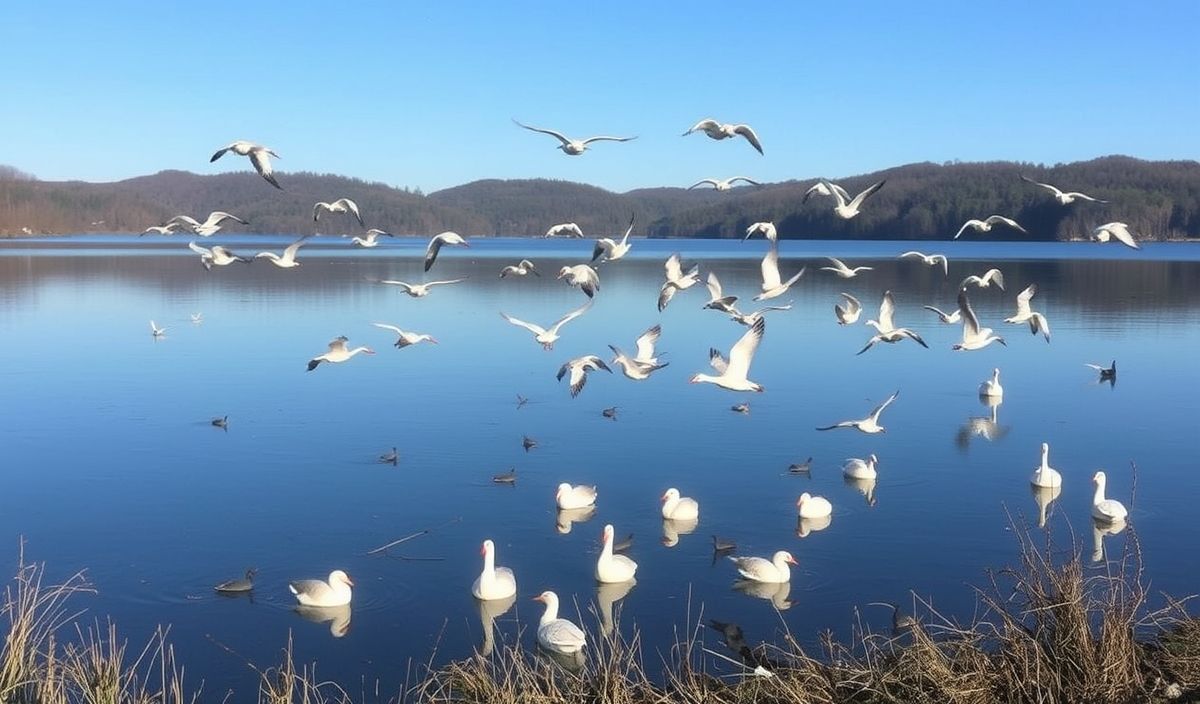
pixel 110 463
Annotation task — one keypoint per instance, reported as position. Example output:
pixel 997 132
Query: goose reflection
pixel 1100 531
pixel 673 528
pixel 866 487
pixel 804 526
pixel 774 592
pixel 987 427
pixel 571 662
pixel 338 617
pixel 569 516
pixel 606 596
pixel 489 611
pixel 1044 496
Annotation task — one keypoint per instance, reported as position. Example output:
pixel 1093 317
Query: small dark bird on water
pixel 804 467
pixel 222 422
pixel 723 544
pixel 391 458
pixel 901 622
pixel 1106 374
pixel 238 586
pixel 740 408
pixel 610 413
pixel 509 477
pixel 624 544
pixel 521 401
pixel 735 640
pixel 528 443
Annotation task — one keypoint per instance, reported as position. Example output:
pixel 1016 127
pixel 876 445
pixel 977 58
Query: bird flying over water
pixel 341 205
pixel 404 339
pixel 733 373
pixel 723 184
pixel 419 290
pixel 573 147
pixel 548 336
pixel 848 313
pixel 839 267
pixel 210 226
pixel 1063 198
pixel 991 276
pixel 718 131
pixel 870 424
pixel 522 268
pixel 846 210
pixel 1025 314
pixel 929 260
pixel 886 330
pixel 612 250
pixel 824 188
pixel 288 259
pixel 717 300
pixel 578 369
pixel 372 238
pixel 216 256
pixel 338 352
pixel 259 155
pixel 974 336
pixel 988 223
pixel 766 228
pixel 676 280
pixel 452 239
pixel 772 284
pixel 1115 230
pixel 568 229
pixel 583 276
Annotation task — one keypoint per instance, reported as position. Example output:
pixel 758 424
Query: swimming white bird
pixel 168 229
pixel 548 336
pixel 338 352
pixel 341 205
pixel 856 468
pixel 718 131
pixel 288 259
pixel 848 210
pixel 948 318
pixel 570 498
pixel 676 280
pixel 717 300
pixel 1025 314
pixel 522 268
pixel 210 226
pixel 372 238
pixel 452 239
pixel 156 331
pixel 610 568
pixel 612 250
pixel 809 506
pixel 569 229
pixel 1045 475
pixel 1115 230
pixel 766 228
pixel 1066 198
pixel 991 388
pixel 929 259
pixel 824 188
pixel 772 284
pixel 583 276
pixel 839 267
pixel 419 290
pixel 259 155
pixel 870 424
pixel 1106 510
pixel 974 337
pixel 404 339
pixel 679 508
pixel 494 582
pixel 557 634
pixel 723 185
pixel 847 314
pixel 749 319
pixel 733 374
pixel 632 368
pixel 991 276
pixel 886 330
pixel 216 256
pixel 574 147
pixel 579 368
pixel 314 592
pixel 987 224
pixel 773 571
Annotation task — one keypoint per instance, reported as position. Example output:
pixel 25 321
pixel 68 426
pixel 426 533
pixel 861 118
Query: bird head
pixel 563 272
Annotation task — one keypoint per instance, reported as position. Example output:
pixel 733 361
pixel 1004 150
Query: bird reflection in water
pixel 338 617
pixel 775 592
pixel 866 487
pixel 1044 496
pixel 804 526
pixel 1100 531
pixel 673 528
pixel 987 427
pixel 569 517
pixel 606 596
pixel 489 611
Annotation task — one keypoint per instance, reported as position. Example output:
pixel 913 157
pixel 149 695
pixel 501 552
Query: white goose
pixel 494 582
pixel 578 369
pixel 548 336
pixel 259 155
pixel 314 592
pixel 419 290
pixel 210 226
pixel 1045 475
pixel 372 238
pixel 573 147
pixel 974 337
pixel 723 184
pixel 168 229
pixel 848 210
pixel 557 634
pixel 991 388
pixel 717 300
pixel 809 506
pixel 440 240
pixel 341 205
pixel 338 352
pixel 886 330
pixel 404 338
pixel 929 260
pixel 1025 314
pixel 676 280
pixel 733 374
pixel 612 250
pixel 1106 510
pixel 645 345
pixel 773 571
pixel 766 228
pixel 1063 198
pixel 772 284
pixel 991 276
pixel 679 508
pixel 870 424
pixel 839 267
pixel 569 229
pixel 824 188
pixel 856 468
pixel 988 223
pixel 610 568
pixel 1115 230
pixel 632 367
pixel 848 311
pixel 522 268
pixel 718 131
pixel 288 259
pixel 583 276
pixel 571 498
pixel 216 256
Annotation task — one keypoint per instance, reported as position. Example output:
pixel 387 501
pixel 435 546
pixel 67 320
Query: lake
pixel 111 463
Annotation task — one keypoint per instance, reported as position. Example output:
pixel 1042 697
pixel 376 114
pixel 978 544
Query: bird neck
pixel 551 613
pixel 489 563
pixel 1099 495
pixel 606 552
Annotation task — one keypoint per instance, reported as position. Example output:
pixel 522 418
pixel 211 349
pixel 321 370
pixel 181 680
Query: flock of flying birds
pixel 731 371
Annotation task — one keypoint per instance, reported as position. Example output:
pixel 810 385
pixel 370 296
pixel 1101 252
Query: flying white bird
pixel 548 336
pixel 847 314
pixel 404 339
pixel 341 205
pixel 772 285
pixel 338 352
pixel 288 259
pixel 1115 230
pixel 168 229
pixel 210 226
pixel 522 268
pixel 1025 314
pixel 824 188
pixel 974 337
pixel 886 330
pixel 578 369
pixel 948 318
pixel 583 276
pixel 645 346
pixel 633 368
pixel 676 280
pixel 574 147
pixel 372 238
pixel 717 300
pixel 1063 198
pixel 259 155
pixel 419 290
pixel 766 228
pixel 991 276
pixel 612 250
pixel 733 374
pixel 929 260
pixel 987 224
pixel 839 267
pixel 216 256
pixel 569 229
pixel 435 245
pixel 870 424
pixel 846 210
pixel 717 130
pixel 156 331
pixel 723 185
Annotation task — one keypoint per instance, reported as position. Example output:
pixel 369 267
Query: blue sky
pixel 416 95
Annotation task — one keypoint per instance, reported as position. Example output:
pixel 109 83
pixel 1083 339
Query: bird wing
pixel 747 132
pixel 202 251
pixel 770 269
pixel 717 361
pixel 852 304
pixel 563 633
pixel 1047 186
pixel 701 182
pixel 970 322
pixel 743 351
pixel 589 140
pixel 757 568
pixel 337 344
pixel 346 202
pixel 604 246
pixel 1084 196
pixel 393 328
pixel 750 181
pixel 665 294
pixel 838 264
pixel 858 199
pixel 261 159
pixel 443 283
pixel 673 268
pixel 645 343
pixel 431 251
pixel 578 377
pixel 1097 367
pixel 557 135
pixel 912 254
pixel 392 282
pixel 318 208
pixel 290 251
pixel 887 308
pixel 220 153
pixel 184 220
pixel 570 316
pixel 714 286
pixel 1038 323
pixel 879 409
pixel 629 230
pixel 969 223
pixel 995 276
pixel 535 329
pixel 376 232
pixel 839 194
pixel 704 124
pixel 1121 231
pixel 1023 299
pixel 945 262
pixel 993 219
pixel 217 216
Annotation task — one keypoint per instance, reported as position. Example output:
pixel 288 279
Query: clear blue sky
pixel 412 94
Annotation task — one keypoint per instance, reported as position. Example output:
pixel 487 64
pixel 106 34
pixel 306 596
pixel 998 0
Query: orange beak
pixel 537 598
pixel 792 560
pixel 482 550
pixel 663 497
pixel 349 581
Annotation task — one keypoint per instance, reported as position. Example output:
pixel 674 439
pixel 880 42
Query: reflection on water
pixel 489 611
pixel 987 427
pixel 866 487
pixel 672 528
pixel 774 592
pixel 608 594
pixel 568 517
pixel 338 617
pixel 1100 531
pixel 805 526
pixel 1043 496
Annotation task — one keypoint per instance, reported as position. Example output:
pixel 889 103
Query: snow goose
pixel 288 259
pixel 991 276
pixel 419 290
pixel 210 226
pixel 569 229
pixel 947 318
pixel 522 268
pixel 988 223
pixel 1105 510
pixel 578 369
pixel 886 330
pixel 583 276
pixel 216 256
pixel 856 468
pixel 974 337
pixel 723 184
pixel 157 332
pixel 758 569
pixel 676 280
pixel 404 338
pixel 718 131
pixel 338 352
pixel 645 345
pixel 571 498
pixel 573 147
pixel 717 300
pixel 372 238
pixel 991 388
pixel 612 250
pixel 633 368
pixel 548 336
pixel 733 374
pixel 772 284
pixel 259 155
pixel 452 239
pixel 848 311
pixel 1115 230
pixel 846 210
pixel 766 228
pixel 929 260
pixel 494 582
pixel 1044 475
pixel 1063 198
pixel 238 586
pixel 556 634
pixel 168 229
pixel 809 506
pixel 341 205
pixel 870 424
pixel 839 267
pixel 679 508
pixel 314 592
pixel 612 568
pixel 1025 314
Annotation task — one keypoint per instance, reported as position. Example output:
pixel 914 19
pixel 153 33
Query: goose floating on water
pixel 613 568
pixel 556 634
pixel 773 571
pixel 569 497
pixel 991 388
pixel 1105 510
pixel 809 506
pixel 1045 475
pixel 238 586
pixel 314 592
pixel 679 508
pixel 856 468
pixel 493 582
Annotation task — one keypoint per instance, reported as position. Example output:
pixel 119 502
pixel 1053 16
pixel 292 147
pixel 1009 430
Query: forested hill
pixel 1158 199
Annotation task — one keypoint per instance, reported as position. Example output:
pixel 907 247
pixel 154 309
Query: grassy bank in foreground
pixel 1045 631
